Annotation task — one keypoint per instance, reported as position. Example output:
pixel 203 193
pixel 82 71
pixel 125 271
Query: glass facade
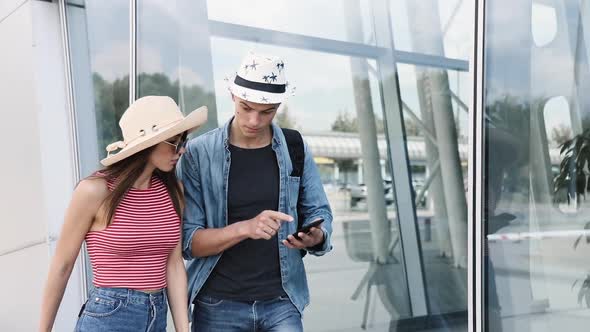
pixel 536 249
pixel 100 46
pixel 175 61
pixel 383 94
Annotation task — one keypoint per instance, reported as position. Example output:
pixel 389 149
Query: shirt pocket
pixel 293 194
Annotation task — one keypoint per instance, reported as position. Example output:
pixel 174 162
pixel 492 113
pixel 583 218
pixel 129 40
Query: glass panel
pixel 439 178
pixel 326 112
pixel 436 27
pixel 317 18
pixel 536 78
pixel 173 54
pixel 99 45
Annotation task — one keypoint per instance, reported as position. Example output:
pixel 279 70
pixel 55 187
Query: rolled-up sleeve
pixel 194 213
pixel 314 204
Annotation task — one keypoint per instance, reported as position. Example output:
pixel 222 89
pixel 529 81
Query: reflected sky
pixel 324 82
pixel 108 37
pixel 318 18
pixel 549 49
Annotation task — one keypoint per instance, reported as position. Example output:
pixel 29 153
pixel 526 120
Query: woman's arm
pixel 86 199
pixel 177 289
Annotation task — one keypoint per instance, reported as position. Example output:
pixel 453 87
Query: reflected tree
pixel 508 119
pixel 284 119
pixel 347 123
pixel 112 99
pixel 572 183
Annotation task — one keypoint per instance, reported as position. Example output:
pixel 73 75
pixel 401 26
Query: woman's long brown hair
pixel 124 174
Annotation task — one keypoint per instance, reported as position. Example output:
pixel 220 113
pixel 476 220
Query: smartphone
pixel 305 229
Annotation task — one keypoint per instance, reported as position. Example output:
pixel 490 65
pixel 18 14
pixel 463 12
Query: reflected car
pixel 358 193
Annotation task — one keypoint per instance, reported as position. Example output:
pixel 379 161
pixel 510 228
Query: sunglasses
pixel 181 143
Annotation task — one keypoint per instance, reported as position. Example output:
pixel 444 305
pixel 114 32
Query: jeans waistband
pixel 131 295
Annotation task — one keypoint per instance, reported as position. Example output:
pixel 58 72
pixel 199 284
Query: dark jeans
pixel 216 315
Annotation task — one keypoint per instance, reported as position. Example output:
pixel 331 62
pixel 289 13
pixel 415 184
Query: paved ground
pixel 334 278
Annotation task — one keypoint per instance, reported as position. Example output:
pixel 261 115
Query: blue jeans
pixel 122 310
pixel 215 315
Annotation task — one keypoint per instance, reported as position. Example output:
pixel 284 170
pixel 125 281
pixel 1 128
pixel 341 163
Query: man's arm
pixel 194 217
pixel 209 242
pixel 199 241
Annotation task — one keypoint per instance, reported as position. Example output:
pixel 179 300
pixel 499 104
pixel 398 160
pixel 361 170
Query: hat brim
pixel 191 122
pixel 257 96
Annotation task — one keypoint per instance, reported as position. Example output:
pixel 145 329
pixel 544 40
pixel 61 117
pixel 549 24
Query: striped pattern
pixel 133 250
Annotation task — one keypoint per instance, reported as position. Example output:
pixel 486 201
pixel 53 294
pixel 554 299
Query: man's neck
pixel 236 138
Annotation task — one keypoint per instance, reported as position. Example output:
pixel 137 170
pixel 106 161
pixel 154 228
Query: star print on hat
pixel 260 79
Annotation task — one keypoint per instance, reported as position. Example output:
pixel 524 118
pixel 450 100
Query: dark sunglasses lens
pixel 182 143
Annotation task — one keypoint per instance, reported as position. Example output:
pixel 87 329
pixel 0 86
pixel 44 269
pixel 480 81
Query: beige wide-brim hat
pixel 149 121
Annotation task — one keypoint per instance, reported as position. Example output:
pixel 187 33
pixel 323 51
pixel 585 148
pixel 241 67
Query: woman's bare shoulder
pixel 93 189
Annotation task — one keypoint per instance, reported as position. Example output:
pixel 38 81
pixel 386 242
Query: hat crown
pixel 147 115
pixel 262 69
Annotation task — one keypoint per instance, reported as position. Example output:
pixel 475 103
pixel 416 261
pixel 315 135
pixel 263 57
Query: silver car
pixel 359 193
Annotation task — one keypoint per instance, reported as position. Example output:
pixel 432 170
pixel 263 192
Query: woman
pixel 129 214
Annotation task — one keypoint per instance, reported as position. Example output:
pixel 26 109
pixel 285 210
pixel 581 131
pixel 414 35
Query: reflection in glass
pixel 173 55
pixel 317 18
pixel 441 22
pixel 434 102
pixel 536 77
pixel 439 231
pixel 99 45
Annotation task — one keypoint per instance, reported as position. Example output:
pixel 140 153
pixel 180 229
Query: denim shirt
pixel 204 172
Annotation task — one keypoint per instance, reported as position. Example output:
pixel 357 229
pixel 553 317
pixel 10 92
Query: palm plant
pixel 572 179
pixel 572 182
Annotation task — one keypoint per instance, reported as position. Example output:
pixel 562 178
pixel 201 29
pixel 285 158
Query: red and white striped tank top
pixel 133 250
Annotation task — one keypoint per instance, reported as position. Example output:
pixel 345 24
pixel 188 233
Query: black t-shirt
pixel 250 270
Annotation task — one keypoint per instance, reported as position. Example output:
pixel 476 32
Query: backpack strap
pixel 297 155
pixel 296 150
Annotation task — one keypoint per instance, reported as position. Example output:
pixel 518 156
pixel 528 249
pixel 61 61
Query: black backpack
pixel 297 155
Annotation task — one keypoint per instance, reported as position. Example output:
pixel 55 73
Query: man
pixel 245 268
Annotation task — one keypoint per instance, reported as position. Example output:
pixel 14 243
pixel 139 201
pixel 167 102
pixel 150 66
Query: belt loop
pixel 128 299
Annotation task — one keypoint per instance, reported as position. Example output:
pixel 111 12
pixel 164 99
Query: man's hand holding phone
pixel 308 236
